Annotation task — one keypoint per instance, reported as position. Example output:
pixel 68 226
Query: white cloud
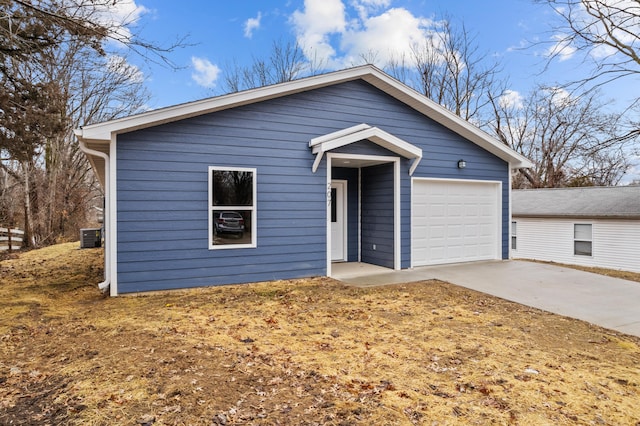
pixel 560 96
pixel 389 34
pixel 118 16
pixel 623 23
pixel 603 51
pixel 251 25
pixel 328 31
pixel 562 49
pixel 511 99
pixel 205 73
pixel 623 14
pixel 366 7
pixel 119 65
pixel 316 23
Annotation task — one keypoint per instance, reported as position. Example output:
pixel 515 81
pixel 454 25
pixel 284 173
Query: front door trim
pixel 341 213
pixel 396 202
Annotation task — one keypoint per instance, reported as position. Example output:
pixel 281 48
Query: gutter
pixel 576 216
pixel 104 285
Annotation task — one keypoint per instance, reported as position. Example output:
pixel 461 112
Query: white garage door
pixel 454 221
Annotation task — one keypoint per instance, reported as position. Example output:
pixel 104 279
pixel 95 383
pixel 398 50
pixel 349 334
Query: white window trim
pixel 514 234
pixel 575 240
pixel 253 209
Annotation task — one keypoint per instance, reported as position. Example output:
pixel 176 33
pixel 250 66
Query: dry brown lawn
pixel 298 352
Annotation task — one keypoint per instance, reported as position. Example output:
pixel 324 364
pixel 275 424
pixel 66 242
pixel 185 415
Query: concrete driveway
pixel 608 302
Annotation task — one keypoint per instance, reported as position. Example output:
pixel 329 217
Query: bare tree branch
pixel 570 138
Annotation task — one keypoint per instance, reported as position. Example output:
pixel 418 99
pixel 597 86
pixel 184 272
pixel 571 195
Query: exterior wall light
pixel 462 164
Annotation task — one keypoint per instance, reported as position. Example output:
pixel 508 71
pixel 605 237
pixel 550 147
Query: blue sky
pixel 517 33
pixel 337 30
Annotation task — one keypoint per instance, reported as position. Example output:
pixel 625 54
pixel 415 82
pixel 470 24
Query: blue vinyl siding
pixel 369 148
pixel 377 215
pixel 162 185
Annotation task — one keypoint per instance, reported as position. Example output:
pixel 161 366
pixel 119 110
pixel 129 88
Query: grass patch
pixel 614 273
pixel 306 352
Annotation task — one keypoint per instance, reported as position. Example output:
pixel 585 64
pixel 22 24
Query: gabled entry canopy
pixel 344 137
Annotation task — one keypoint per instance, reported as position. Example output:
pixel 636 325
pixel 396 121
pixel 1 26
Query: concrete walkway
pixel 608 302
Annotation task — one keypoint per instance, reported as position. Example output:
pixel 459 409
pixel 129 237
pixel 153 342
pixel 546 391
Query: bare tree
pixel 570 139
pixel 285 62
pixel 452 71
pixel 607 34
pixel 57 74
pixel 606 31
pixel 28 26
pixel 31 115
pixel 29 29
pixel 89 95
pixel 402 68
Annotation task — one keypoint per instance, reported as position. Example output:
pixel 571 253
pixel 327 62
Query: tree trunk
pixel 27 240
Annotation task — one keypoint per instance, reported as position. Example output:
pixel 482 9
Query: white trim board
pixel 498 212
pixel 345 217
pixel 113 218
pixel 397 242
pixel 344 137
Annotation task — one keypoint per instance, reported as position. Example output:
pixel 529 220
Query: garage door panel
pixel 438 211
pixel 437 232
pixel 454 231
pixel 454 221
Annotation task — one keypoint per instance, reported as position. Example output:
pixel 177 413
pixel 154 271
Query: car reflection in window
pixel 229 224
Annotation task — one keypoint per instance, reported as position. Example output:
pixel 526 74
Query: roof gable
pixel 104 132
pixel 590 202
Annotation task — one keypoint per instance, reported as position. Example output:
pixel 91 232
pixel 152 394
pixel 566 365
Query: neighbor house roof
pixel 590 202
pixel 98 136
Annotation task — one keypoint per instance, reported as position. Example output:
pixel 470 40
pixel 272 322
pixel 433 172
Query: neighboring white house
pixel 595 226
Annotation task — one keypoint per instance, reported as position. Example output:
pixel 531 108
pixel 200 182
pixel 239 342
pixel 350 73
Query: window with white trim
pixel 582 239
pixel 232 207
pixel 514 239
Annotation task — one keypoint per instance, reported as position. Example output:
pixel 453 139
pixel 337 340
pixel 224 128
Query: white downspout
pixel 104 285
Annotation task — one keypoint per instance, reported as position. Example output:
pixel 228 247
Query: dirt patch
pixel 298 352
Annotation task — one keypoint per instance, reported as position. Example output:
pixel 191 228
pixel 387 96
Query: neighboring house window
pixel 582 239
pixel 232 207
pixel 514 235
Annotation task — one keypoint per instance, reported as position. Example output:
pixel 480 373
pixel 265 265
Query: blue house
pixel 282 181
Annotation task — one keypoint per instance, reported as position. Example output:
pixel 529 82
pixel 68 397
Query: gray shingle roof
pixel 593 202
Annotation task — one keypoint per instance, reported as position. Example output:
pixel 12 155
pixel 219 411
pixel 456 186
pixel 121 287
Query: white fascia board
pixel 339 142
pixel 395 144
pixel 375 135
pixel 335 135
pixel 344 137
pixel 368 73
pixel 445 117
pixel 102 131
